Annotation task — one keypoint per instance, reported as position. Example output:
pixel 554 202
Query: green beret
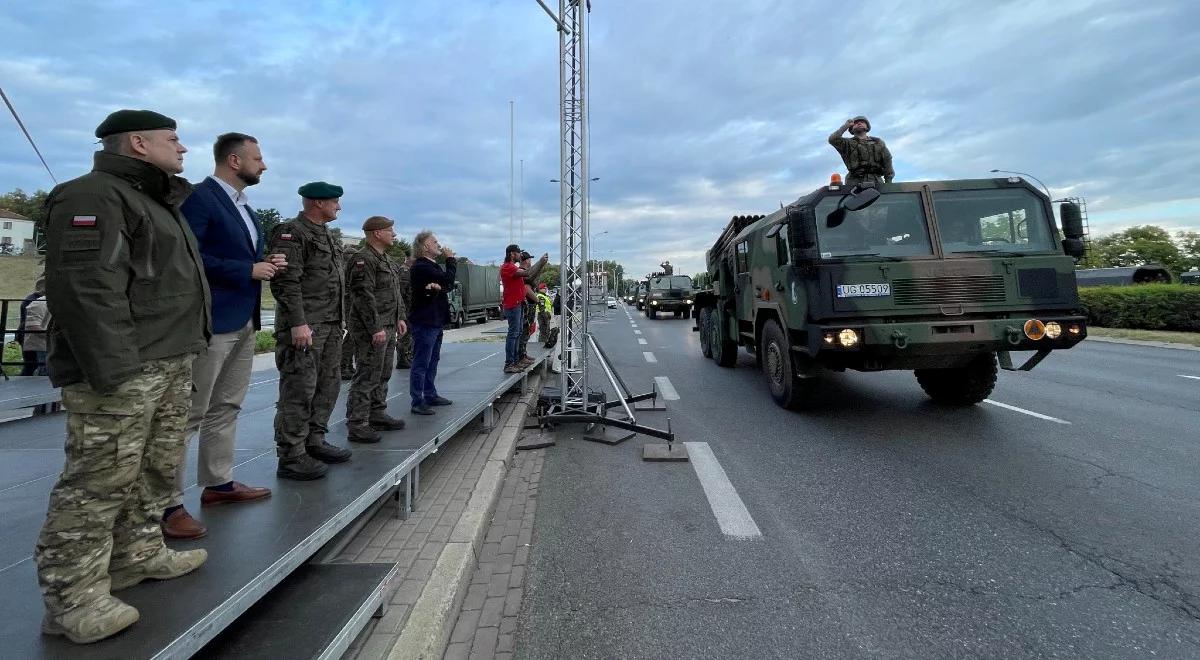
pixel 377 222
pixel 320 190
pixel 127 121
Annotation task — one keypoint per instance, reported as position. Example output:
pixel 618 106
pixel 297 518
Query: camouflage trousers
pixel 347 364
pixel 368 390
pixel 404 350
pixel 122 452
pixel 543 318
pixel 308 387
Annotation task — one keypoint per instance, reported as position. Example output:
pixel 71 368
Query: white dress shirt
pixel 240 202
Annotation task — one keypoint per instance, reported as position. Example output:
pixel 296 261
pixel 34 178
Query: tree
pixel 550 276
pixel 702 280
pixel 400 249
pixel 269 219
pixel 30 206
pixel 1189 245
pixel 1136 246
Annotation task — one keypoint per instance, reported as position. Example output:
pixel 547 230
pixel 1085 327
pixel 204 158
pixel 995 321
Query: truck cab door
pixel 743 288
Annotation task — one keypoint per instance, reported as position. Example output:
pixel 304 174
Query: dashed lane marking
pixel 667 389
pixel 641 341
pixel 637 332
pixel 733 517
pixel 1192 377
pixel 649 357
pixel 1048 418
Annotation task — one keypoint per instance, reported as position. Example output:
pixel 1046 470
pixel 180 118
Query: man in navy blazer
pixel 229 235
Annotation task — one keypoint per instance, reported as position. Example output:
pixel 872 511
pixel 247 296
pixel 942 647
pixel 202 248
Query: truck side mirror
pixel 1072 220
pixel 803 224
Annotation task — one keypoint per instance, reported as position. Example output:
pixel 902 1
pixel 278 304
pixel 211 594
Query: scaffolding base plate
pixel 665 453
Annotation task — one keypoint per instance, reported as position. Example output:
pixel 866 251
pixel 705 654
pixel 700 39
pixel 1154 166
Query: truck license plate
pixel 863 290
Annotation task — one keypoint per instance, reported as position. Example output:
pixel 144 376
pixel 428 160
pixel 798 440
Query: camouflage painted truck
pixel 941 277
pixel 669 293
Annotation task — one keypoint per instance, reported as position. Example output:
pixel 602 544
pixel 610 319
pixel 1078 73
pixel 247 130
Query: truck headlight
pixel 1053 330
pixel 848 338
pixel 688 301
pixel 653 302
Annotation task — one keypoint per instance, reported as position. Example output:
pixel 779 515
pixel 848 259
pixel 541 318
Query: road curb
pixel 431 621
pixel 1143 342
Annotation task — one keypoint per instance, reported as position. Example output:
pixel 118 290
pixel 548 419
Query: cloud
pixel 699 110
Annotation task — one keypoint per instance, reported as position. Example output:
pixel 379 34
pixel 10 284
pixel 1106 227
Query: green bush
pixel 264 341
pixel 12 353
pixel 1144 306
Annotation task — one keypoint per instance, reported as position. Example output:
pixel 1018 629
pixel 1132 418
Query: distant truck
pixel 639 296
pixel 940 277
pixel 669 293
pixel 477 295
pixel 1123 276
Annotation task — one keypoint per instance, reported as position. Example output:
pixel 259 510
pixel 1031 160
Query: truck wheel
pixel 687 313
pixel 481 320
pixel 960 386
pixel 651 313
pixel 787 390
pixel 706 332
pixel 678 313
pixel 724 350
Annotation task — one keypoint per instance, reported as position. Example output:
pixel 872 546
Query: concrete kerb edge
pixel 1142 342
pixel 427 631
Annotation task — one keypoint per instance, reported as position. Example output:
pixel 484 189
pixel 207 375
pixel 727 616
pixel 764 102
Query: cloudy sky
pixel 700 109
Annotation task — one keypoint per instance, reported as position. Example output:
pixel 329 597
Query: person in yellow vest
pixel 544 307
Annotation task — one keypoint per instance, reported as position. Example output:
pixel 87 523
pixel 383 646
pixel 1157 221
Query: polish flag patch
pixel 286 237
pixel 83 221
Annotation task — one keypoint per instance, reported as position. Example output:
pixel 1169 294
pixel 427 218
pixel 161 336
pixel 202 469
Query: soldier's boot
pixel 363 433
pixel 385 422
pixel 99 619
pixel 325 452
pixel 301 468
pixel 165 565
pixel 403 364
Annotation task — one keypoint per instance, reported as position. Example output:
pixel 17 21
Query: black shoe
pixel 440 401
pixel 364 434
pixel 328 453
pixel 347 376
pixel 301 468
pixel 381 422
pixel 422 410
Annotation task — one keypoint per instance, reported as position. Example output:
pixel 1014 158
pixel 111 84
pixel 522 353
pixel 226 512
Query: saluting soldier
pixel 125 283
pixel 404 343
pixel 867 158
pixel 309 319
pixel 377 315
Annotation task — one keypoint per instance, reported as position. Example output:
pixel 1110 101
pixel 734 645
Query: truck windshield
pixel 894 226
pixel 1003 220
pixel 673 282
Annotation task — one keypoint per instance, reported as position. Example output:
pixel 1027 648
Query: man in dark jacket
pixel 126 286
pixel 229 236
pixel 309 318
pixel 430 312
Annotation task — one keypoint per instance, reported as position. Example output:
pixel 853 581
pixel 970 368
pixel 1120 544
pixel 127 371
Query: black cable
pixel 27 135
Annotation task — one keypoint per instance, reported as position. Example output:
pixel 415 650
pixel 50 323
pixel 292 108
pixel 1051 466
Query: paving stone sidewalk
pixel 447 481
pixel 487 624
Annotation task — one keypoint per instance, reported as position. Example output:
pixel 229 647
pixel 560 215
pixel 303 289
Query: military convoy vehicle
pixel 639 296
pixel 477 294
pixel 669 293
pixel 940 277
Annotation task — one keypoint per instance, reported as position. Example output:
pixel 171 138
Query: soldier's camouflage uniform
pixel 125 283
pixel 404 344
pixel 867 160
pixel 347 364
pixel 308 292
pixel 375 304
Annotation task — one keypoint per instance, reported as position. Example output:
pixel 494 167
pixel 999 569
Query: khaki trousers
pixel 221 377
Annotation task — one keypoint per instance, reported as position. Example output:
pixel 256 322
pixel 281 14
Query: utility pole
pixel 512 149
pixel 522 197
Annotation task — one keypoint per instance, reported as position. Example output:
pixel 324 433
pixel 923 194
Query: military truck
pixel 669 293
pixel 944 278
pixel 640 295
pixel 477 295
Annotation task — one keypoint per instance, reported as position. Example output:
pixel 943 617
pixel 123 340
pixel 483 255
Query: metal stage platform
pixel 18 392
pixel 252 548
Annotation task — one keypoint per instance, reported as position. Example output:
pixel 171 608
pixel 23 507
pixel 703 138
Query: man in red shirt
pixel 512 278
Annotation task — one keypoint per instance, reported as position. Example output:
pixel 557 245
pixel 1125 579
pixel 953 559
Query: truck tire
pixel 706 331
pixel 678 313
pixel 776 360
pixel 651 313
pixel 960 386
pixel 687 313
pixel 481 320
pixel 724 350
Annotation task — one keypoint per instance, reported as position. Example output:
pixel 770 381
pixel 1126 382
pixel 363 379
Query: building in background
pixel 16 233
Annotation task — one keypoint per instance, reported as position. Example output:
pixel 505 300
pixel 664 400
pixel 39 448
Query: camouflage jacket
pixel 124 278
pixel 311 288
pixel 864 157
pixel 373 288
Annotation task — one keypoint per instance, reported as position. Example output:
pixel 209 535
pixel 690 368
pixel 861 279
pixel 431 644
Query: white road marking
pixel 637 332
pixel 1027 412
pixel 649 357
pixel 667 389
pixel 642 341
pixel 1192 377
pixel 633 325
pixel 723 499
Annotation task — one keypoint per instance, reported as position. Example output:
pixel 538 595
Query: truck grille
pixel 949 290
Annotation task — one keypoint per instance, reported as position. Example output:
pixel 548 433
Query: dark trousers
pixel 309 381
pixel 368 390
pixel 516 330
pixel 31 363
pixel 427 350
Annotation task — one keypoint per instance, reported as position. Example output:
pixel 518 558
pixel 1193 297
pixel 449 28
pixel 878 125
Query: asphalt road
pixel 889 527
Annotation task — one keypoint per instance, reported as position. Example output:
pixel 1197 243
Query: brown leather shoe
pixel 240 493
pixel 181 525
